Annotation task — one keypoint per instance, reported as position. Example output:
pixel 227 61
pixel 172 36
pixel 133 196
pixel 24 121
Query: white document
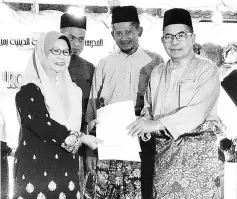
pixel 230 180
pixel 114 120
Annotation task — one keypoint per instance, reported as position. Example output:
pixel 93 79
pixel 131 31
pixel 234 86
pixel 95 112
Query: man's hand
pixel 92 124
pixel 142 126
pixel 91 141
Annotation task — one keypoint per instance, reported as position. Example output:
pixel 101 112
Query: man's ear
pixel 162 40
pixel 194 38
pixel 112 33
pixel 140 30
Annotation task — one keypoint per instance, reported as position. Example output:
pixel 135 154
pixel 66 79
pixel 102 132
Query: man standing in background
pixel 81 71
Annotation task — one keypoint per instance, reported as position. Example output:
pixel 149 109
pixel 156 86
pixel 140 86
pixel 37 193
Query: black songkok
pixel 177 16
pixel 124 14
pixel 69 20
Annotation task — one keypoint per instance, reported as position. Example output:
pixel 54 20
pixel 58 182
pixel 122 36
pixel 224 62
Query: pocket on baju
pixel 187 90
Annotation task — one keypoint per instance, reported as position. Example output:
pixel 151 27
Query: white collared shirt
pixel 119 77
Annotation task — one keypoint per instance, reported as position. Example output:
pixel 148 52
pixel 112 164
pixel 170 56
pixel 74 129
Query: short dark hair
pixel 136 24
pixel 190 29
pixel 197 48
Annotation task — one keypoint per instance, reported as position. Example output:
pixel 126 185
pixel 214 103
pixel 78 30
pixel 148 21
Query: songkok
pixel 124 14
pixel 69 20
pixel 177 16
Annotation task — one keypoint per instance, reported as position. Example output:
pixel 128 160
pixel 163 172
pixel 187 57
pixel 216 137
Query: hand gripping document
pixel 113 121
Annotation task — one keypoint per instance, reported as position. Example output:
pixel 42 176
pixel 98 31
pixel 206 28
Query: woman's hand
pixel 91 141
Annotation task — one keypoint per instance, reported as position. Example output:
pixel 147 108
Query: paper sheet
pixel 117 145
pixel 230 180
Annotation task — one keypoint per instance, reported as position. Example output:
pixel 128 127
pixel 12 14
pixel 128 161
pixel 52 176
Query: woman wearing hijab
pixel 50 110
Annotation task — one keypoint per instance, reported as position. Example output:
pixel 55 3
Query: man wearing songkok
pixel 122 76
pixel 180 112
pixel 80 70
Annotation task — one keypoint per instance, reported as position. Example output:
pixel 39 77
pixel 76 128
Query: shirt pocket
pixel 187 89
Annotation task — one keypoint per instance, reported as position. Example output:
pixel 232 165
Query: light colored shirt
pixel 184 102
pixel 120 77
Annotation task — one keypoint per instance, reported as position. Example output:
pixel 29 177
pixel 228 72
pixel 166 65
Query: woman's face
pixel 59 56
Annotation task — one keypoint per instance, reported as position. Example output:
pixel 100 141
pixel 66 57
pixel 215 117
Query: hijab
pixel 64 100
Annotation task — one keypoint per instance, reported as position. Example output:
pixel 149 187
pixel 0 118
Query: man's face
pixel 76 37
pixel 180 46
pixel 126 36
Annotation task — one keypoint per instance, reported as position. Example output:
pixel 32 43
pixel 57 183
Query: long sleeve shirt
pixel 184 102
pixel 120 77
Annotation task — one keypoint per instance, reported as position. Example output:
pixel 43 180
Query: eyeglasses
pixel 58 52
pixel 182 36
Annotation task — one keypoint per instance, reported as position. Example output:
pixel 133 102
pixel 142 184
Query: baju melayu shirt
pixel 120 77
pixel 184 99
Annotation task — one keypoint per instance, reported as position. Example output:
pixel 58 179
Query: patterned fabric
pixel 188 168
pixel 118 180
pixel 73 141
pixel 42 168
